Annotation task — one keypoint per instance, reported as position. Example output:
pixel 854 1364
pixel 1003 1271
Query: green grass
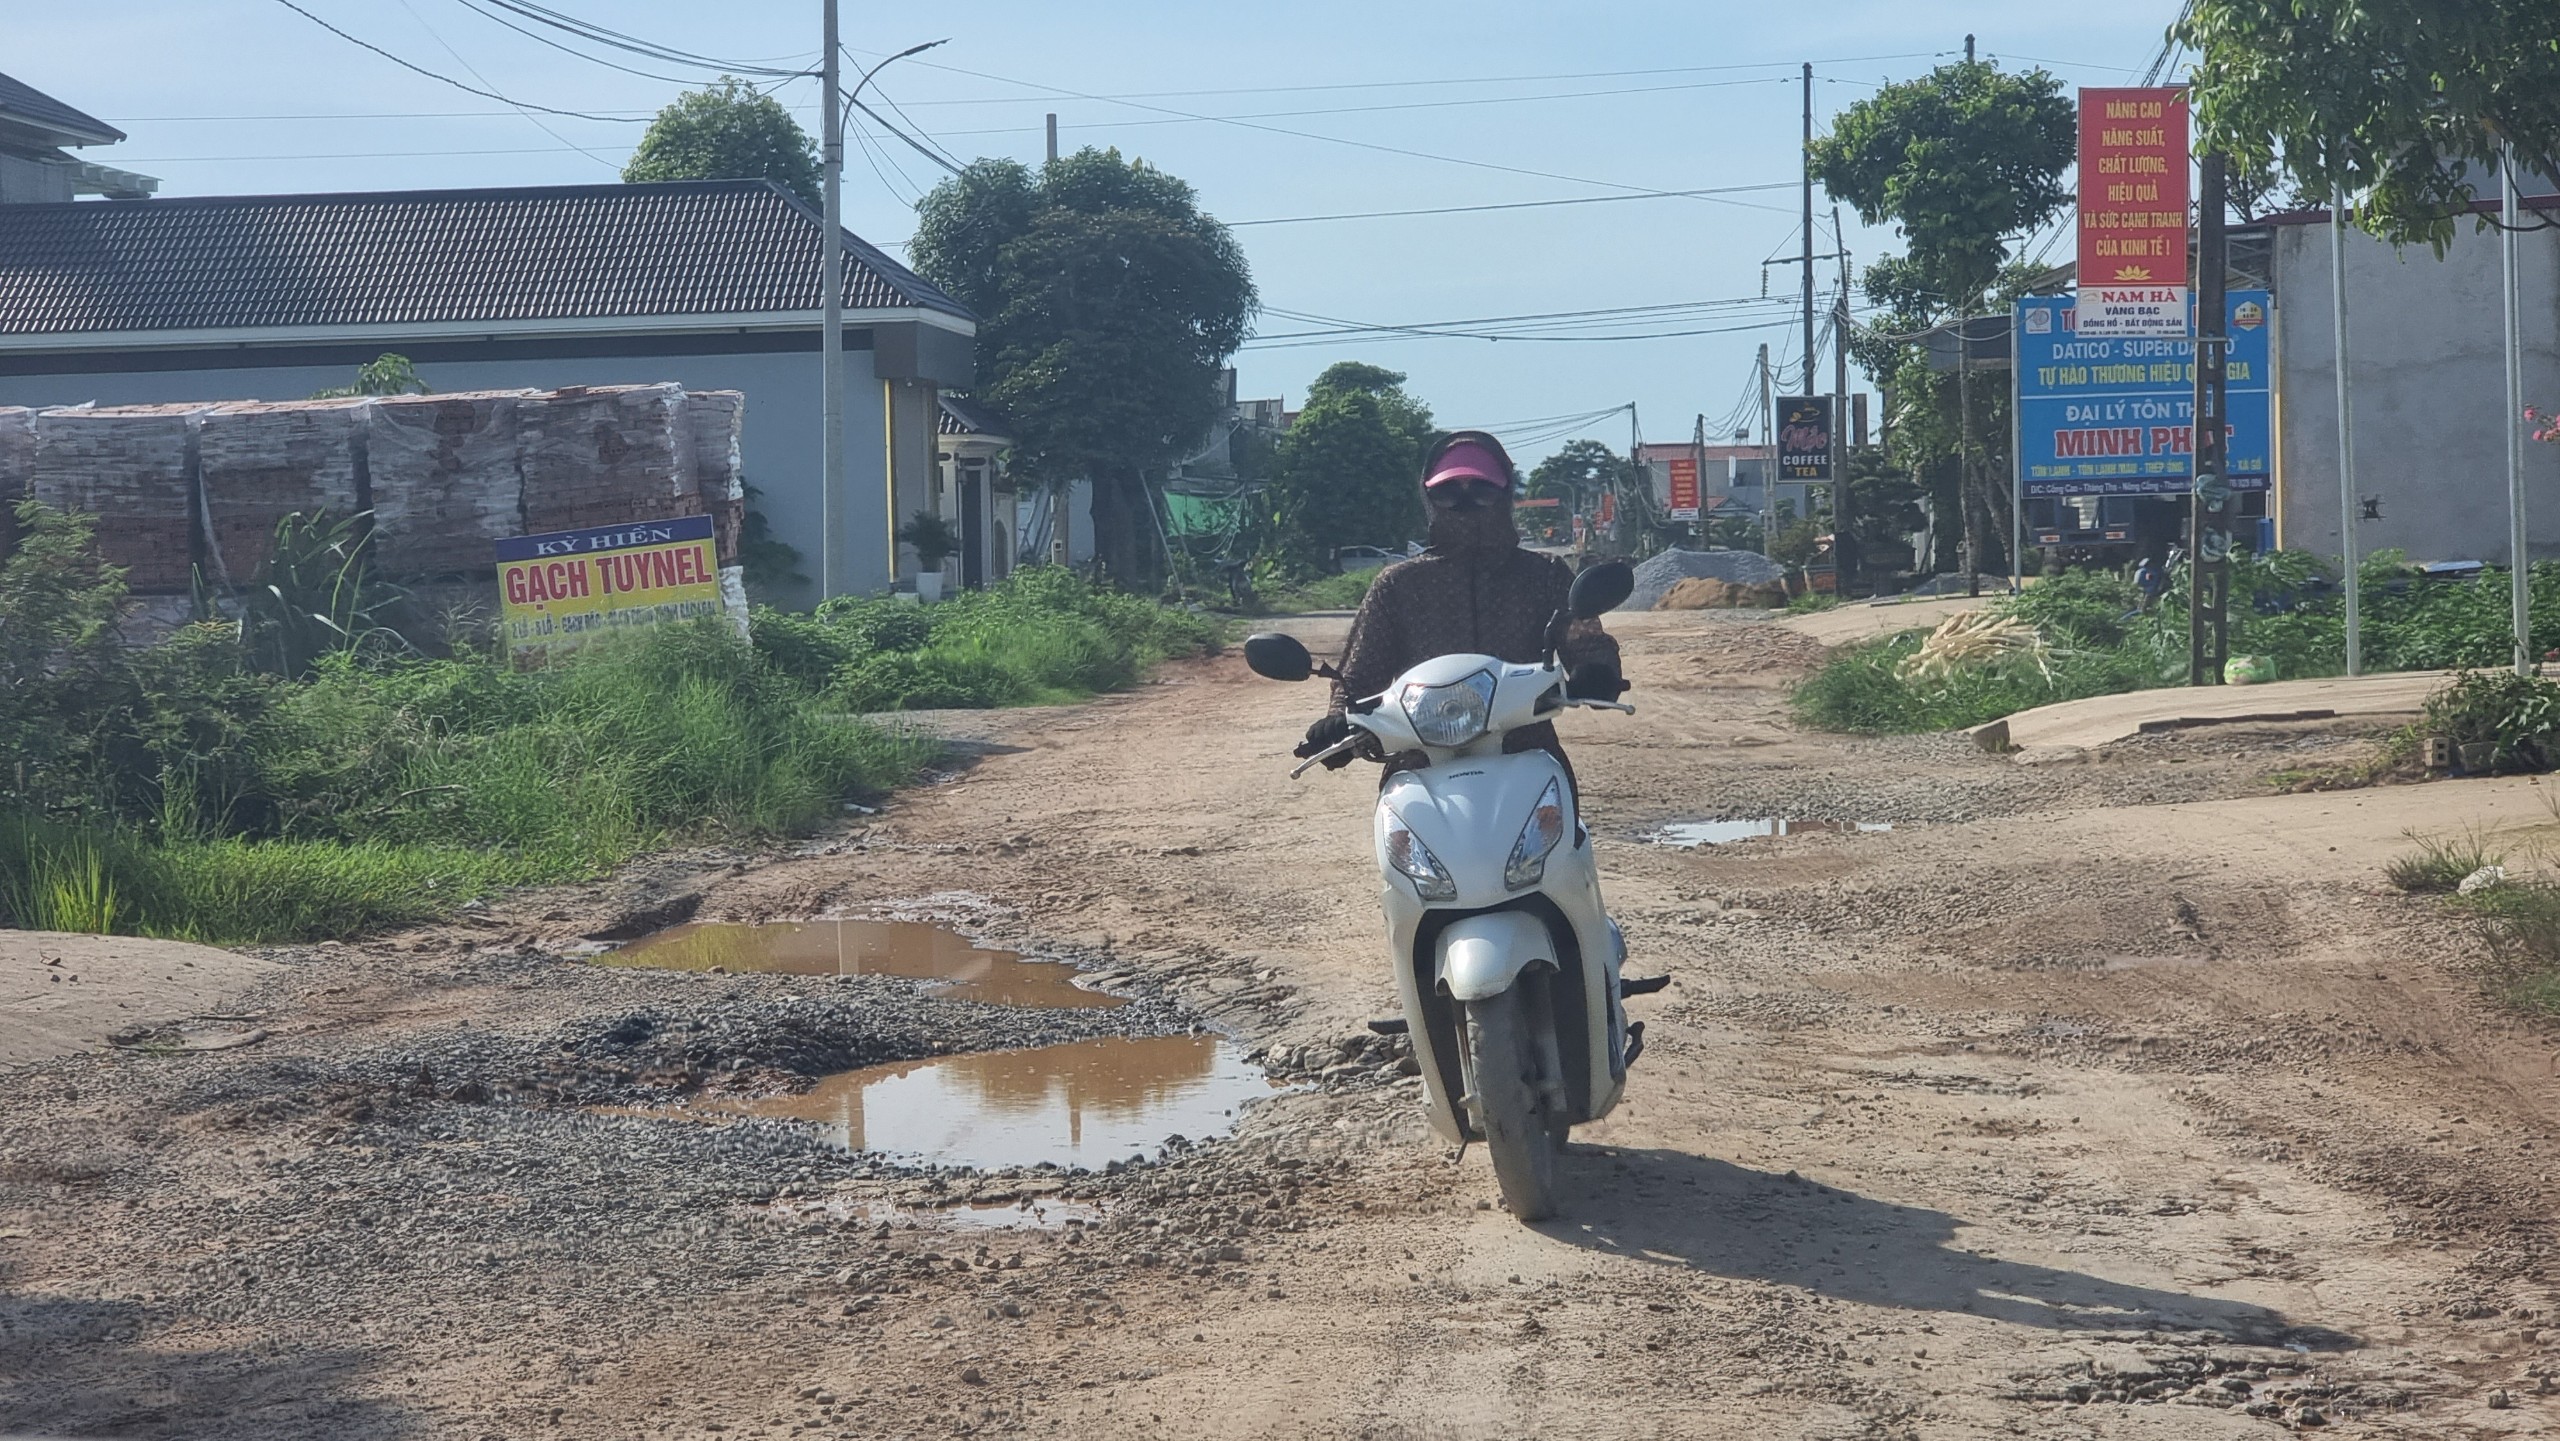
pixel 1857 691
pixel 2439 864
pixel 1042 636
pixel 1812 601
pixel 2520 926
pixel 1344 591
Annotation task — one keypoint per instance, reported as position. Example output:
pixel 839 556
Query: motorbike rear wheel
pixel 1508 1084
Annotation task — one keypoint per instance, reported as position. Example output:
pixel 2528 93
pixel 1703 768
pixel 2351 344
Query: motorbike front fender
pixel 1483 955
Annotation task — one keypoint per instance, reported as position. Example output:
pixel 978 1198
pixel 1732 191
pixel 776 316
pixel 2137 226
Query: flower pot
pixel 928 586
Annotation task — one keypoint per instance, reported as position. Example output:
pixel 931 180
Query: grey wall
pixel 2428 388
pixel 779 450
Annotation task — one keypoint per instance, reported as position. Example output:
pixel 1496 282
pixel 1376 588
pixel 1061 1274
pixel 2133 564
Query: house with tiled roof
pixel 37 134
pixel 712 285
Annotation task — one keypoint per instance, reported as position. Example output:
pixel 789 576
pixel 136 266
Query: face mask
pixel 1477 528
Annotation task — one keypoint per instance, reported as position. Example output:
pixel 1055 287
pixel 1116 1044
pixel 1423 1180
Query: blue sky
pixel 1639 96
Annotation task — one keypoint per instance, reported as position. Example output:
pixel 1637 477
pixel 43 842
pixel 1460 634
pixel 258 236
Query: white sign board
pixel 2122 310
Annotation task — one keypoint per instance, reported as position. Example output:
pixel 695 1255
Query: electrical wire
pixel 475 74
pixel 632 44
pixel 541 39
pixel 1310 135
pixel 447 79
pixel 1509 205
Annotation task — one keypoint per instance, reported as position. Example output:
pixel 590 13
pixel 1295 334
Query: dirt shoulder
pixel 2092 1099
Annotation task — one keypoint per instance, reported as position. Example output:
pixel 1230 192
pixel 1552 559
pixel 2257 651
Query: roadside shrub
pixel 2520 925
pixel 803 647
pixel 2439 865
pixel 2516 716
pixel 1043 635
pixel 2078 607
pixel 1859 691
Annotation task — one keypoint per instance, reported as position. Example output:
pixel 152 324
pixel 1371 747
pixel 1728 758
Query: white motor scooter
pixel 1507 965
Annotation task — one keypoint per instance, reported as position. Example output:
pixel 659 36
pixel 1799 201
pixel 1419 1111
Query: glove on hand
pixel 1596 680
pixel 1328 731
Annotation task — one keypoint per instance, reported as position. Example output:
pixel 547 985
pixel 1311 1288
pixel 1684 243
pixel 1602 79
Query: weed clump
pixel 2439 865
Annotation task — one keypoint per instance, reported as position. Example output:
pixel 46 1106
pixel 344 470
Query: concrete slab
pixel 1850 624
pixel 2101 720
pixel 62 993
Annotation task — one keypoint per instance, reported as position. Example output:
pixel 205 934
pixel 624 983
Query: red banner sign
pixel 1684 490
pixel 2133 187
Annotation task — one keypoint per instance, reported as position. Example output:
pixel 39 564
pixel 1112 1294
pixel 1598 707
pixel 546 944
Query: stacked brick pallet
pixel 178 487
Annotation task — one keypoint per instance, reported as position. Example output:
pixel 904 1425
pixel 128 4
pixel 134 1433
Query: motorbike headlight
pixel 1415 862
pixel 1452 714
pixel 1528 863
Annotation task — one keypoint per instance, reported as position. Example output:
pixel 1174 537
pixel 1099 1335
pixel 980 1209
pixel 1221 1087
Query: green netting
pixel 1190 516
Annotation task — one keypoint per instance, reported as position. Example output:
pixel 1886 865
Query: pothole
pixel 909 949
pixel 1719 833
pixel 1083 1103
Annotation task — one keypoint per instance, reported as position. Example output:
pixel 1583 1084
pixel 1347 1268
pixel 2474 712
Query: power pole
pixel 834 553
pixel 1968 50
pixel 1053 137
pixel 1844 549
pixel 2516 555
pixel 1768 446
pixel 2346 429
pixel 1805 159
pixel 2209 506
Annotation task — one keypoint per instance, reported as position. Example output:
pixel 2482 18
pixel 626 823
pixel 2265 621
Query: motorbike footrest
pixel 1390 1026
pixel 1635 1043
pixel 1642 985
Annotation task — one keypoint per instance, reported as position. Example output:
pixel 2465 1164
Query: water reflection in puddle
pixel 1047 1213
pixel 1717 833
pixel 911 949
pixel 1085 1103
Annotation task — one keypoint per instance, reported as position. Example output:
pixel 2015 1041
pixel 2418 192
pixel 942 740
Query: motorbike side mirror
pixel 1278 657
pixel 1601 589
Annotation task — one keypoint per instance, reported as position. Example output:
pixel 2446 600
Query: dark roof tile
pixel 20 100
pixel 409 257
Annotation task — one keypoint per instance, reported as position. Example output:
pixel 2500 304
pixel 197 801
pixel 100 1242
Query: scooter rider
pixel 1475 591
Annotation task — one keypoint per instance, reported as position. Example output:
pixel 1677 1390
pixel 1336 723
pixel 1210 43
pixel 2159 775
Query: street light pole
pixel 832 543
pixel 2346 428
pixel 2518 561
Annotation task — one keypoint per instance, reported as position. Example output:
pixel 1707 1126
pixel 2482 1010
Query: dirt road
pixel 2110 1099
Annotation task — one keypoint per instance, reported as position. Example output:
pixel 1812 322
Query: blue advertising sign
pixel 2116 415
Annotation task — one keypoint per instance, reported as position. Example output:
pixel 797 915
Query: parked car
pixel 1369 557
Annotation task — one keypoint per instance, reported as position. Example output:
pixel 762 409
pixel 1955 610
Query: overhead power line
pixel 447 79
pixel 1299 134
pixel 539 38
pixel 632 44
pixel 528 116
pixel 1511 205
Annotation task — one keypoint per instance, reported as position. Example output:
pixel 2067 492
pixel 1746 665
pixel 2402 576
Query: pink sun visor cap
pixel 1469 460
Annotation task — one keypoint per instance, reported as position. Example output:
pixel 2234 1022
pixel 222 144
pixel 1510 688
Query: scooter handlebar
pixel 1320 757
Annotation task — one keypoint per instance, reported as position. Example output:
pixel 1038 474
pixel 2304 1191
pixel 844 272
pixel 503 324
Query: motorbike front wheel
pixel 1508 1084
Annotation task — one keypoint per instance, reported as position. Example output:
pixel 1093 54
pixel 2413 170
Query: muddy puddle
pixel 1046 1213
pixel 910 949
pixel 1085 1103
pixel 1720 833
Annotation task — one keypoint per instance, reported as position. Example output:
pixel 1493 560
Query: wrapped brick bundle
pixel 446 482
pixel 128 466
pixel 601 455
pixel 715 420
pixel 261 461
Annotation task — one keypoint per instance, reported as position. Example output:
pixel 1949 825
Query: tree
pixel 1107 304
pixel 389 373
pixel 727 132
pixel 1585 470
pixel 1964 161
pixel 2402 103
pixel 1349 469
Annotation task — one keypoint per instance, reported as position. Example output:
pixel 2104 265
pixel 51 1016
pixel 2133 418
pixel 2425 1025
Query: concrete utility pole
pixel 1805 160
pixel 2518 559
pixel 833 550
pixel 1768 446
pixel 1844 550
pixel 1053 137
pixel 1968 50
pixel 2346 429
pixel 2209 498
